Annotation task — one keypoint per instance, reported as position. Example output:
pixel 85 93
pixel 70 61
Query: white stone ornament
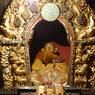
pixel 50 12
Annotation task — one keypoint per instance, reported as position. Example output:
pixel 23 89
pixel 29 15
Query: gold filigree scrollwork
pixel 85 59
pixel 17 17
pixel 13 58
pixel 17 60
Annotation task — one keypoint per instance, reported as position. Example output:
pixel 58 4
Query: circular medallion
pixel 82 20
pixel 17 21
pixel 50 12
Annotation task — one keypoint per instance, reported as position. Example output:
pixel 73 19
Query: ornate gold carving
pixel 85 66
pixel 17 59
pixel 13 19
pixel 76 11
pixel 7 75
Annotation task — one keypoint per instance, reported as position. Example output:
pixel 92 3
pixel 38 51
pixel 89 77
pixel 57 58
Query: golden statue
pixel 51 64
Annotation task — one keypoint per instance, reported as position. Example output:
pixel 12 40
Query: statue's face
pixel 49 48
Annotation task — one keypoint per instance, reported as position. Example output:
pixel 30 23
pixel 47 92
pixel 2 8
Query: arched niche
pixel 70 35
